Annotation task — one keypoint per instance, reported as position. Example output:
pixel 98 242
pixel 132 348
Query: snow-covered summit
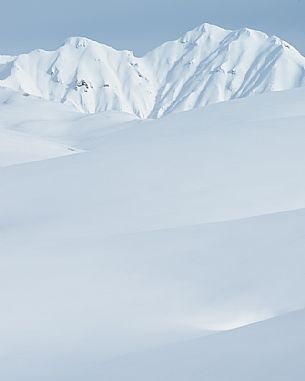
pixel 206 65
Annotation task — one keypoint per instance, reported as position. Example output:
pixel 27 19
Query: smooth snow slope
pixel 207 65
pixel 74 299
pixel 163 231
pixel 33 129
pixel 19 146
pixel 271 350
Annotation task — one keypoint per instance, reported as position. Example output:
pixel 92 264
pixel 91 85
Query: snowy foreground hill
pixel 143 250
pixel 207 65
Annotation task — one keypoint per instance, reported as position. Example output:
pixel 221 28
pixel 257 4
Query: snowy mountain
pixel 169 249
pixel 207 65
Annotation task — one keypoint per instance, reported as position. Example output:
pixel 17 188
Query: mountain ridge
pixel 206 65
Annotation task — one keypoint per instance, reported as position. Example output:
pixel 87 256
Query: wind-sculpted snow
pixel 207 65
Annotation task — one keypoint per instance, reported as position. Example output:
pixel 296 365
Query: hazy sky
pixel 140 25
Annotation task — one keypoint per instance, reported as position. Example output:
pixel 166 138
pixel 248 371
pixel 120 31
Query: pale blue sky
pixel 140 25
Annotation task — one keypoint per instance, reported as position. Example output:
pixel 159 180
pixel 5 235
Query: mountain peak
pixel 209 28
pixel 201 30
pixel 79 42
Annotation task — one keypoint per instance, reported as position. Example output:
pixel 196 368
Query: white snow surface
pixel 270 350
pixel 207 65
pixel 168 249
pixel 33 129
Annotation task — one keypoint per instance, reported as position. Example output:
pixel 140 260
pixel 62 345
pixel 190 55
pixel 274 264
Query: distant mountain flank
pixel 207 65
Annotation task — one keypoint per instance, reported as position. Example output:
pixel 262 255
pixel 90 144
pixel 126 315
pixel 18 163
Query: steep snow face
pixel 207 65
pixel 90 76
pixel 210 64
